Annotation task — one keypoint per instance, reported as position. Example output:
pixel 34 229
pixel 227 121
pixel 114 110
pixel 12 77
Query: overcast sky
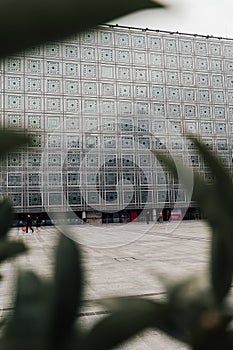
pixel 207 17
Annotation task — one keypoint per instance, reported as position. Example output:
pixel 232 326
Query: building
pixel 97 103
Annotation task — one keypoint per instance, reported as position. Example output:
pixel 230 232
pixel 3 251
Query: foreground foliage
pixel 45 312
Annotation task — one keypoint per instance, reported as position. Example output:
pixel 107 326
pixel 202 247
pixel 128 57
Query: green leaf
pixel 129 316
pixel 10 140
pixel 28 328
pixel 6 217
pixel 11 249
pixel 221 266
pixel 68 290
pixel 35 22
pixel 222 175
pixel 216 204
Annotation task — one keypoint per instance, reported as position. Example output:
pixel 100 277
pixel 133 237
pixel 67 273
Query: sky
pixel 204 17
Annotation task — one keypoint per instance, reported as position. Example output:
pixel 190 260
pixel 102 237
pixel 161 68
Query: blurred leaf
pixel 10 140
pixel 216 204
pixel 6 217
pixel 129 317
pixel 221 266
pixel 222 175
pixel 68 289
pixel 28 327
pixel 10 249
pixel 35 22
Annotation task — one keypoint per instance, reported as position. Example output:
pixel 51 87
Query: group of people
pixel 29 224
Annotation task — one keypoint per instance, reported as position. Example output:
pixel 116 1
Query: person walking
pixel 38 222
pixel 29 223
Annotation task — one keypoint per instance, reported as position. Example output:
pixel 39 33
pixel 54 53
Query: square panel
pixel 70 51
pixel 229 65
pixel 88 53
pixel 218 96
pixel 190 110
pixel 53 86
pixel 73 179
pixel 186 62
pixel 156 60
pixel 205 111
pixel 14 120
pixel 106 37
pixel 172 77
pixel 200 48
pixel 142 108
pixel 122 39
pixel 202 79
pixel 89 71
pixel 139 58
pixel 52 49
pixel 125 107
pixel 154 43
pixel 106 55
pixel 216 65
pixel 71 87
pixel 34 121
pixel 13 83
pixel 123 73
pixel 53 67
pixel 71 69
pixel 53 104
pixel 171 61
pixel 201 63
pixel 34 199
pixel 54 159
pixel 206 127
pixel 219 112
pixel 55 199
pixel 54 141
pixel 157 92
pixel 228 50
pixel 215 49
pixel 220 128
pixel 73 141
pixel 170 45
pixel 34 66
pixel 89 106
pixel 139 41
pixel 189 94
pixel 186 46
pixel 107 89
pixel 89 88
pixel 157 76
pixel 187 79
pixel 34 159
pixel 123 56
pixel 14 102
pixel 173 110
pixel 217 81
pixel 53 122
pixel 124 90
pixel 72 124
pixel 173 94
pixel 204 95
pixel 141 91
pixel 158 109
pixel 13 64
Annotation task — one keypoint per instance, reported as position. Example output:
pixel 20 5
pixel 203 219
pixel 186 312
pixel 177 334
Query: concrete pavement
pixel 119 259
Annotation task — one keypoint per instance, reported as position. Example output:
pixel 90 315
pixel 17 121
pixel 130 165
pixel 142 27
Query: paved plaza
pixel 119 259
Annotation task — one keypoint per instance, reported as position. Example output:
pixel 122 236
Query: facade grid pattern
pixel 96 105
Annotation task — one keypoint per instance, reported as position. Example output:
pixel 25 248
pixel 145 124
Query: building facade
pixel 98 103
